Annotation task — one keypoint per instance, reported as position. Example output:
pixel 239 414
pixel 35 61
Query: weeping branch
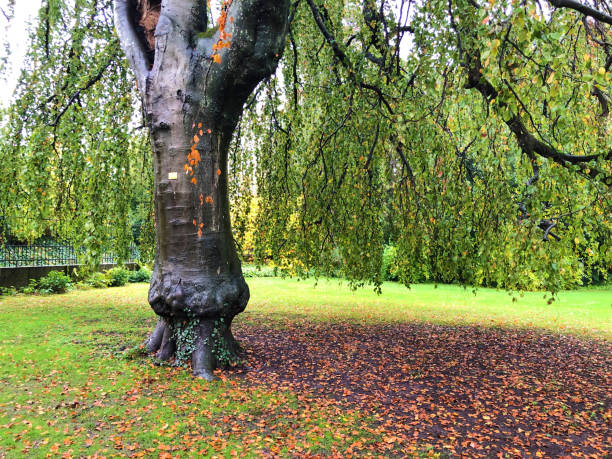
pixel 343 58
pixel 75 96
pixel 528 143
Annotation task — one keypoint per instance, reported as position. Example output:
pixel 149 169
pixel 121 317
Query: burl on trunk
pixel 193 87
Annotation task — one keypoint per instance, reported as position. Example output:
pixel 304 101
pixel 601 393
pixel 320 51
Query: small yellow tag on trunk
pixel 172 175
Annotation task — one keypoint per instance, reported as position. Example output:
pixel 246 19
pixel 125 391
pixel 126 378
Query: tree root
pixel 214 345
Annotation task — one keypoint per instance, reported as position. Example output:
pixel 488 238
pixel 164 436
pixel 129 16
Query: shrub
pixel 54 282
pixel 32 287
pixel 336 264
pixel 97 280
pixel 117 277
pixel 258 271
pixel 142 275
pixel 8 291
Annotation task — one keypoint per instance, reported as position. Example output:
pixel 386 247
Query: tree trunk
pixel 193 93
pixel 197 273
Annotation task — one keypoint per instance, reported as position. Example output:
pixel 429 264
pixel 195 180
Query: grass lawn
pixel 586 311
pixel 68 388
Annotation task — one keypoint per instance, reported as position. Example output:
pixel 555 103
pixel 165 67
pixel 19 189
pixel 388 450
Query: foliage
pixel 54 282
pixel 340 166
pixel 184 334
pixel 141 275
pixel 72 161
pixel 389 264
pixel 97 280
pixel 117 277
pixel 225 357
pixel 473 136
pixel 244 215
pixel 258 271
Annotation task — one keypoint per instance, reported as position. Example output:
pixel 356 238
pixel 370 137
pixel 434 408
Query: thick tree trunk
pixel 193 93
pixel 197 274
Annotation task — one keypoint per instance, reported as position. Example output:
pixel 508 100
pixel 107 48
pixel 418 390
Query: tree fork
pixel 193 92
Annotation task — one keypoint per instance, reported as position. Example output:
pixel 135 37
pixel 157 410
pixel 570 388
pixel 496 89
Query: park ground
pixel 431 371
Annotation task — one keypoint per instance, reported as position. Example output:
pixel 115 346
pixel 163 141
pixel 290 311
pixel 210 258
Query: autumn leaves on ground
pixel 422 372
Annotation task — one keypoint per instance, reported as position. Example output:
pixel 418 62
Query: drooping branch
pixel 343 58
pixel 603 100
pixel 338 52
pixel 528 143
pixel 97 77
pixel 582 8
pixel 130 42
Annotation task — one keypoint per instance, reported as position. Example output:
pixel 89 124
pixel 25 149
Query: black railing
pixel 50 254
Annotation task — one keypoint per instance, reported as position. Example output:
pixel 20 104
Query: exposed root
pixel 214 346
pixel 153 342
pixel 203 360
pixel 168 345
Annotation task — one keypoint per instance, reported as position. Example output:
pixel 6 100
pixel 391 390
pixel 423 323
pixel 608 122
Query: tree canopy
pixel 472 135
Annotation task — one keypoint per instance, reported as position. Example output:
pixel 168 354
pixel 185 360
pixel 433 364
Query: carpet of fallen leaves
pixel 313 389
pixel 460 391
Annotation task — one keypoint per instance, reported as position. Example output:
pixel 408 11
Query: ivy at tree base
pixel 209 343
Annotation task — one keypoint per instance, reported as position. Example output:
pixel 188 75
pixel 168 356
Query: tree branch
pixel 184 17
pixel 248 49
pixel 528 143
pixel 130 43
pixel 603 101
pixel 338 52
pixel 584 9
pixel 78 92
pixel 343 58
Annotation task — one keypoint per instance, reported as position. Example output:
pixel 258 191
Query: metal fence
pixel 49 254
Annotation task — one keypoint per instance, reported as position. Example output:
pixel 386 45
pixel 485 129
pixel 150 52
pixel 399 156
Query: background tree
pixel 472 135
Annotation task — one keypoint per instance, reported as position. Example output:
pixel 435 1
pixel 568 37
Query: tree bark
pixel 193 96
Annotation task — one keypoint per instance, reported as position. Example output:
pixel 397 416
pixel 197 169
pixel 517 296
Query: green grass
pixel 587 311
pixel 65 386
